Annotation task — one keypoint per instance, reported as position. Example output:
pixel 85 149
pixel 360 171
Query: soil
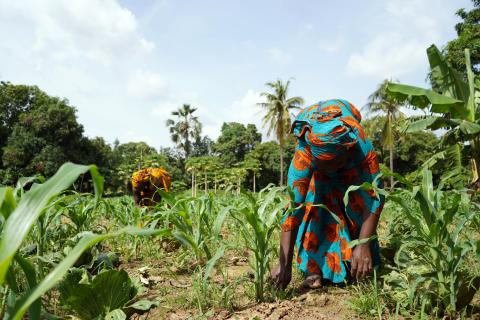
pixel 170 286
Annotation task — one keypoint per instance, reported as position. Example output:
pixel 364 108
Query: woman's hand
pixel 362 264
pixel 282 275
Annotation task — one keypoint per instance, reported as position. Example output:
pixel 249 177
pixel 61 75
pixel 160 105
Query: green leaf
pixel 426 122
pixel 357 242
pixel 31 206
pixel 211 263
pixel 7 201
pixel 62 268
pixel 468 127
pixel 143 305
pixel 31 275
pixel 423 98
pixel 219 220
pixel 446 79
pixel 116 314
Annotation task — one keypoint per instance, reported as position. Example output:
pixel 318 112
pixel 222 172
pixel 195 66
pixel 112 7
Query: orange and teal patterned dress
pixel 332 154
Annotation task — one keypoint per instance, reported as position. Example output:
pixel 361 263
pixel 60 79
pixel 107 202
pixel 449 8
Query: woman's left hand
pixel 362 264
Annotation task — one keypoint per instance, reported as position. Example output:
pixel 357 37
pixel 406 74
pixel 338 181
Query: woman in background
pixel 332 154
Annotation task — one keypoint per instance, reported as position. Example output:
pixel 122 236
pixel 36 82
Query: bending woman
pixel 332 154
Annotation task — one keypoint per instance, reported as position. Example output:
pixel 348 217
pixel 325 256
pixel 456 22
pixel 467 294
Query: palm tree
pixel 380 102
pixel 186 129
pixel 278 106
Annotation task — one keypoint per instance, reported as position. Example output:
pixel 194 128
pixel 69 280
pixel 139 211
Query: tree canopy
pixel 468 36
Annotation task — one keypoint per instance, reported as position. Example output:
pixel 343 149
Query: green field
pixel 209 256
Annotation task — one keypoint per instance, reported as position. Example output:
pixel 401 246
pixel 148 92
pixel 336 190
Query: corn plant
pixel 80 209
pixel 257 218
pixel 431 260
pixel 197 221
pixel 18 218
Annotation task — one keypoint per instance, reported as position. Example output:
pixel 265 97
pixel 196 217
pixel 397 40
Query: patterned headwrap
pixel 329 137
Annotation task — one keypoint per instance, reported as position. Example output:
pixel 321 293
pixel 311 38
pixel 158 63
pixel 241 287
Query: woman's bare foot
pixel 313 281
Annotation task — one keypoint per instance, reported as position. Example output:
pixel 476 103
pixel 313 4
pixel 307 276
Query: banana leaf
pixel 424 98
pixel 444 78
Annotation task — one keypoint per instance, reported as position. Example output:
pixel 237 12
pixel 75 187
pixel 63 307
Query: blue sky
pixel 125 65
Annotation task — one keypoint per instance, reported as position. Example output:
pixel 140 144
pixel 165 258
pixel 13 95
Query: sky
pixel 126 65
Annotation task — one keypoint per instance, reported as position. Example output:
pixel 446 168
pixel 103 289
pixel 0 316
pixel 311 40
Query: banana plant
pixel 432 257
pixel 453 103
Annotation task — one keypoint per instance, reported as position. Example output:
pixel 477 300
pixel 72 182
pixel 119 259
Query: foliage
pixel 412 149
pixel 258 218
pixel 202 146
pixel 468 37
pixel 268 153
pixel 43 139
pixel 95 298
pixel 198 222
pixel 430 263
pixel 453 103
pixel 235 141
pixel 278 106
pixel 380 102
pixel 18 217
pixel 185 129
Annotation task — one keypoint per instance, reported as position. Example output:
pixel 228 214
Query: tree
pixel 235 141
pixel 468 32
pixel 129 157
pixel 185 128
pixel 16 100
pixel 277 118
pixel 267 154
pixel 453 104
pixel 43 138
pixel 202 147
pixel 380 102
pixel 412 150
pixel 253 165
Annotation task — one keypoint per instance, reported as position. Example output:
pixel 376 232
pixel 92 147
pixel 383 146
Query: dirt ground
pixel 169 287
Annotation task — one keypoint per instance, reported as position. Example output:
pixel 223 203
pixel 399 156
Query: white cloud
pixel 388 55
pixel 246 110
pixel 90 29
pixel 147 85
pixel 399 47
pixel 279 56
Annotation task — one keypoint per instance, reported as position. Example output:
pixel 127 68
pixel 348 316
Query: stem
pixel 281 163
pixel 205 182
pixel 193 182
pixel 391 167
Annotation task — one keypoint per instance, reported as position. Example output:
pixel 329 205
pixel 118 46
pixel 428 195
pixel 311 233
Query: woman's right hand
pixel 282 275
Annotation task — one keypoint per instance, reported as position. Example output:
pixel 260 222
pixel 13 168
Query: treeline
pixel 39 132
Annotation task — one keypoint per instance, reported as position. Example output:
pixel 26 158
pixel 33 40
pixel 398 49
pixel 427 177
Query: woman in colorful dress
pixel 332 154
